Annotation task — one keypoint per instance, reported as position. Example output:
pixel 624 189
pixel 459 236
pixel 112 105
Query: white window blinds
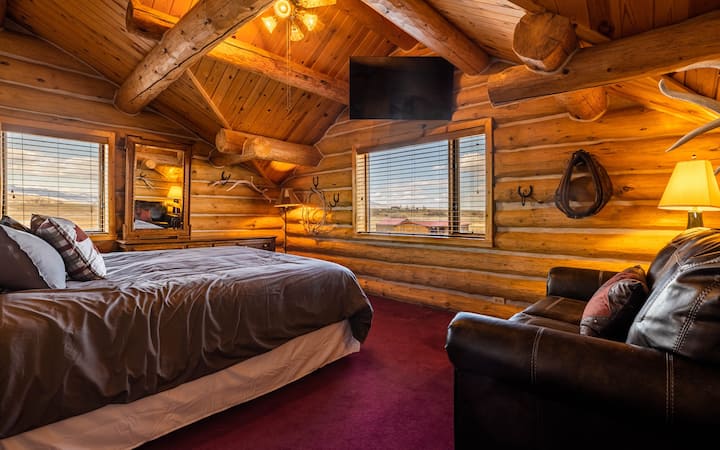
pixel 434 188
pixel 54 176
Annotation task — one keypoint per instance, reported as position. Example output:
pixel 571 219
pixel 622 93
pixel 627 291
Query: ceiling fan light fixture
pixel 283 9
pixel 315 3
pixel 270 23
pixel 296 33
pixel 309 20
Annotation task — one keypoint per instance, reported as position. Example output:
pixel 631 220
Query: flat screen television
pixel 400 87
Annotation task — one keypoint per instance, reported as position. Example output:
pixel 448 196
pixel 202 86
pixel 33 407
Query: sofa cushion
pixel 682 313
pixel 544 322
pixel 611 310
pixel 563 309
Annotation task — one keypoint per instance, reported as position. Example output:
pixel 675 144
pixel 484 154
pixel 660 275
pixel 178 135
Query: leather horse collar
pixel 601 184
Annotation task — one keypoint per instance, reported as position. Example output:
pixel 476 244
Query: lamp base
pixel 694 219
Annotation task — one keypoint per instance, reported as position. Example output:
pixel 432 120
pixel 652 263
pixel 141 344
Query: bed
pixel 167 338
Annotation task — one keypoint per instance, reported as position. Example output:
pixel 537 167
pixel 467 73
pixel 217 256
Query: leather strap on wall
pixel 600 182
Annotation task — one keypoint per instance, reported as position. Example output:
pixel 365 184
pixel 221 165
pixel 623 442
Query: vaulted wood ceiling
pixel 217 93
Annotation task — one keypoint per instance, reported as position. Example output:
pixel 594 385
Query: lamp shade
pixel 287 198
pixel 175 192
pixel 692 187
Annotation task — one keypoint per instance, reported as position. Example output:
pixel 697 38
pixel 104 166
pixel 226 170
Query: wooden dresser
pixel 265 243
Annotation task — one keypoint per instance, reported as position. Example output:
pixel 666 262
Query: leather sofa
pixel 533 381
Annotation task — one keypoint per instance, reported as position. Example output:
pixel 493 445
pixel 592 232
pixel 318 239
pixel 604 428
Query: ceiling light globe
pixel 283 9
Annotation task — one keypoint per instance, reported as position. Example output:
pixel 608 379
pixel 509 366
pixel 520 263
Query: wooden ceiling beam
pixel 253 59
pixel 656 52
pixel 430 28
pixel 234 147
pixel 207 24
pixel 377 23
pixel 583 32
pixel 153 24
pixel 545 42
pixel 645 92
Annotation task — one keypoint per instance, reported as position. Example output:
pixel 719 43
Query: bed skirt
pixel 127 426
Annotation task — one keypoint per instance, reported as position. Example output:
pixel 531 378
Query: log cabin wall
pixel 43 87
pixel 533 142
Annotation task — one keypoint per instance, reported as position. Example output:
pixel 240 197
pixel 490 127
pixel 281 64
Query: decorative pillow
pixel 611 310
pixel 28 262
pixel 83 261
pixel 12 223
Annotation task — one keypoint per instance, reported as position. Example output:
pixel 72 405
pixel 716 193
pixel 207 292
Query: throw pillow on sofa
pixel 82 259
pixel 611 310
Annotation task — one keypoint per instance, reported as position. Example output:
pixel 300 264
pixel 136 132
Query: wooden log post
pixel 545 42
pixel 681 46
pixel 153 24
pixel 585 105
pixel 234 147
pixel 207 23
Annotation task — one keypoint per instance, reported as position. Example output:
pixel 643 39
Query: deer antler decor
pixel 699 100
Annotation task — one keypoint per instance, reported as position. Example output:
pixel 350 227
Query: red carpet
pixel 396 393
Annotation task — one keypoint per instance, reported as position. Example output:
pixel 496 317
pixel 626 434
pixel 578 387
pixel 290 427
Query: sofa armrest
pixel 576 283
pixel 585 370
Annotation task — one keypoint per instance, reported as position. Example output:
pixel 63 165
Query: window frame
pixel 448 133
pixel 81 134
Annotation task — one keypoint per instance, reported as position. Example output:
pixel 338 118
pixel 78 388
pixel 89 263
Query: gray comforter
pixel 160 318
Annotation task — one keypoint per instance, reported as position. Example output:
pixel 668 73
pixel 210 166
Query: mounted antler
pixel 699 100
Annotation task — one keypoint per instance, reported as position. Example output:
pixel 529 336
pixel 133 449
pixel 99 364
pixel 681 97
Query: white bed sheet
pixel 127 426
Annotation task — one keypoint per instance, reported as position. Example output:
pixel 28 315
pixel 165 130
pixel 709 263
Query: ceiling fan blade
pixel 315 3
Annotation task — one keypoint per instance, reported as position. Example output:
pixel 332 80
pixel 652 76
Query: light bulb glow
pixel 283 9
pixel 295 33
pixel 270 23
pixel 310 21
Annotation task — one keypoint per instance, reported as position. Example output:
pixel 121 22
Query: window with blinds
pixel 54 176
pixel 430 189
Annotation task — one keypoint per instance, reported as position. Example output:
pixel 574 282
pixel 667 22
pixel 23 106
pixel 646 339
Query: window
pixel 435 188
pixel 58 176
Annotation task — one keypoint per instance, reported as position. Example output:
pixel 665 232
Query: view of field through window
pixel 53 176
pixel 409 189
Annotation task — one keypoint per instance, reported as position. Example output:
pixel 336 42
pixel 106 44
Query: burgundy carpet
pixel 396 393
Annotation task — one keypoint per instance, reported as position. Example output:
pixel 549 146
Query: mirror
pixel 156 198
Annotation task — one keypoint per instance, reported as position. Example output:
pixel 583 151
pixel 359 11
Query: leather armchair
pixel 534 382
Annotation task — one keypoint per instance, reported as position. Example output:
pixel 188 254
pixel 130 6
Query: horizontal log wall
pixel 40 84
pixel 533 143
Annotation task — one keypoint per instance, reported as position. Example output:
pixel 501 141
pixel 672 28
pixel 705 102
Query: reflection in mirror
pixel 158 187
pixel 156 201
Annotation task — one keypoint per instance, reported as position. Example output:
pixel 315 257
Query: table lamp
pixel 692 188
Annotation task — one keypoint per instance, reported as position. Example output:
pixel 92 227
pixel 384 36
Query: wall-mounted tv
pixel 401 87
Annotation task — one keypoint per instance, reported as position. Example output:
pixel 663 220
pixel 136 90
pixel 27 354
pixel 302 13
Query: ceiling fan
pixel 295 11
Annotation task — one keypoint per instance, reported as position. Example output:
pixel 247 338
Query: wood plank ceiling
pixel 215 94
